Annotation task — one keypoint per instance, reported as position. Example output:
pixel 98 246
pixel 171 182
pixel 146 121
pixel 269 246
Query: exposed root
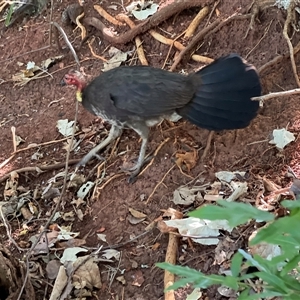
pixel 39 169
pixel 285 34
pixel 138 42
pixel 195 23
pixel 159 183
pixel 154 156
pixel 179 46
pixel 93 52
pixel 276 95
pixel 101 11
pixel 208 145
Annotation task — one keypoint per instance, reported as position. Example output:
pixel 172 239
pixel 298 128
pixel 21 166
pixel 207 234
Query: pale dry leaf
pixel 101 237
pixel 69 216
pixel 132 220
pixel 85 189
pixel 111 253
pixel 80 214
pixel 70 254
pixel 185 195
pixel 59 285
pixel 115 61
pixel 281 138
pixel 87 273
pixel 137 214
pixel 138 278
pixel 52 268
pixel 187 159
pixel 121 279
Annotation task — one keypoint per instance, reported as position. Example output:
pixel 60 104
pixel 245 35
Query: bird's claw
pixel 87 158
pixel 135 170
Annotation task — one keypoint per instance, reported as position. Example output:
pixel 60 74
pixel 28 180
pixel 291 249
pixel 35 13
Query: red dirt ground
pixel 35 108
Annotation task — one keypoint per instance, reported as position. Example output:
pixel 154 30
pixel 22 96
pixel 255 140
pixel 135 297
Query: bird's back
pixel 137 92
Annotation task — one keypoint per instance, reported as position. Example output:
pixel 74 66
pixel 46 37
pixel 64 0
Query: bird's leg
pixel 143 131
pixel 114 132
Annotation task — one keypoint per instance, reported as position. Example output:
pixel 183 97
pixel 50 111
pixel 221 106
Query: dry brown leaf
pixel 137 214
pixel 187 159
pixel 87 274
pixel 138 278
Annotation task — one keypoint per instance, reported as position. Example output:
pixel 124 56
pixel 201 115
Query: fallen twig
pixel 277 59
pixel 59 201
pixel 276 95
pixel 179 46
pixel 160 16
pixel 138 42
pixel 82 28
pixel 203 34
pixel 195 23
pixel 40 168
pixel 93 53
pixel 193 44
pixel 154 155
pixel 158 184
pixel 13 131
pixel 208 145
pixel 286 36
pixel 102 12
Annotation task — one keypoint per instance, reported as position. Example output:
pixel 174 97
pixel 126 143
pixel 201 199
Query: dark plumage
pixel 217 97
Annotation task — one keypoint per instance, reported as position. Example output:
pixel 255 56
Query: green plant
pixel 279 276
pixel 9 14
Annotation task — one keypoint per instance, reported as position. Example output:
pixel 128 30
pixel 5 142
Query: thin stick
pixel 193 43
pixel 8 230
pixel 277 94
pixel 101 11
pixel 61 197
pixel 195 23
pixel 13 131
pixel 82 28
pixel 179 46
pixel 40 168
pixel 171 46
pixel 264 35
pixel 44 144
pixel 291 50
pixel 208 144
pixel 93 53
pixel 154 155
pixel 278 59
pixel 59 28
pixel 159 183
pixel 138 41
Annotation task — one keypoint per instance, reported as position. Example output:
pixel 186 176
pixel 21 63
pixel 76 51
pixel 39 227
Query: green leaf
pixel 10 11
pixel 293 263
pixel 196 278
pixel 252 261
pixel 234 212
pixel 274 281
pixel 290 204
pixel 264 295
pixel 292 283
pixel 236 264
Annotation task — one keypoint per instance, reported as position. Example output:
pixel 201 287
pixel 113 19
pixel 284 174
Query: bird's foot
pixel 88 157
pixel 135 170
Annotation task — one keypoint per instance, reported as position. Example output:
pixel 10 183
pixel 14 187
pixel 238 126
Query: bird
pixel 217 97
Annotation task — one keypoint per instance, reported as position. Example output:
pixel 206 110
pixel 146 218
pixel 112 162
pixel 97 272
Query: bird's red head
pixel 75 78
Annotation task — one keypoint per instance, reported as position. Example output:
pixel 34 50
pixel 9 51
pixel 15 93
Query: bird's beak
pixel 62 82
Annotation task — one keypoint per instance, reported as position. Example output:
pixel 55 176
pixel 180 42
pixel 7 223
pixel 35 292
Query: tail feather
pixel 223 99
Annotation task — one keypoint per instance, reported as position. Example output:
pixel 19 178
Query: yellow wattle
pixel 79 96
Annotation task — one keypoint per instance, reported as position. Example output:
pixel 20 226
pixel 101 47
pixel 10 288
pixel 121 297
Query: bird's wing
pixel 149 92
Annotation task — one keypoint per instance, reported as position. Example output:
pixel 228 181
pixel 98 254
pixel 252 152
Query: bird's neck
pixel 79 95
pixel 80 87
